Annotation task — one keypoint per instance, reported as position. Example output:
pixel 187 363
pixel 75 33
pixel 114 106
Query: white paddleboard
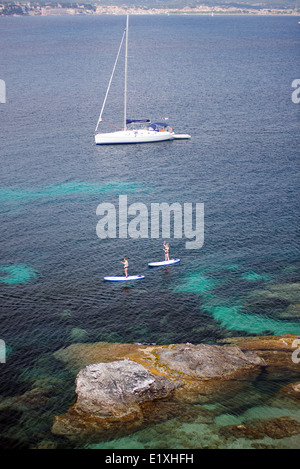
pixel 124 279
pixel 158 264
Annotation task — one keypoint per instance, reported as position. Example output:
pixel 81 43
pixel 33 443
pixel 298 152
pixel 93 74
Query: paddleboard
pixel 158 264
pixel 124 279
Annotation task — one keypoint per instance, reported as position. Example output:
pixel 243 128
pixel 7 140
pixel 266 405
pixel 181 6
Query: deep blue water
pixel 224 80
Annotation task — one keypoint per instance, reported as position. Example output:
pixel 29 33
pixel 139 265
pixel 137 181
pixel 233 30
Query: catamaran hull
pixel 132 136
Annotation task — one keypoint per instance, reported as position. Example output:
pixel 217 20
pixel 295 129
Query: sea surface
pixel 227 81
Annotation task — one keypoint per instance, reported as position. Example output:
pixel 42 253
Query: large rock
pixel 123 387
pixel 207 372
pixel 111 389
pixel 109 399
pixel 123 395
pixel 208 361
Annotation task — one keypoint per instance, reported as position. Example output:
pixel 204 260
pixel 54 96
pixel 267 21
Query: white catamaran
pixel 134 131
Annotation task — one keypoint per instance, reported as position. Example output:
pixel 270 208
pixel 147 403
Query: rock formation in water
pixel 123 387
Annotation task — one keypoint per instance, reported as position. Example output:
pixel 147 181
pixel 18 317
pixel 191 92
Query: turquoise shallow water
pixel 16 274
pixel 231 312
pixel 69 188
pixel 232 93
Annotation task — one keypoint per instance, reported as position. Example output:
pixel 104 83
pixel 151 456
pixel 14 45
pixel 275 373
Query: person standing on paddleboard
pixel 166 249
pixel 125 263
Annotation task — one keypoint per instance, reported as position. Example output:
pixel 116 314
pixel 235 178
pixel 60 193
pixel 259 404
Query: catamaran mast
pixel 125 87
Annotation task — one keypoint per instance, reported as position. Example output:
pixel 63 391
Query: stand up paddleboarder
pixel 166 249
pixel 125 263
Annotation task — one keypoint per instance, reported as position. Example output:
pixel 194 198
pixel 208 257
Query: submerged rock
pixel 291 391
pixel 32 399
pixel 78 334
pixel 276 351
pixel 278 301
pixel 280 427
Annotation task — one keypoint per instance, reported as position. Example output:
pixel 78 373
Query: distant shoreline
pixel 20 8
pixel 296 15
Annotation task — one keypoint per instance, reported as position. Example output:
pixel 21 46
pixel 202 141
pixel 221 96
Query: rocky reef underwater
pixel 243 392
